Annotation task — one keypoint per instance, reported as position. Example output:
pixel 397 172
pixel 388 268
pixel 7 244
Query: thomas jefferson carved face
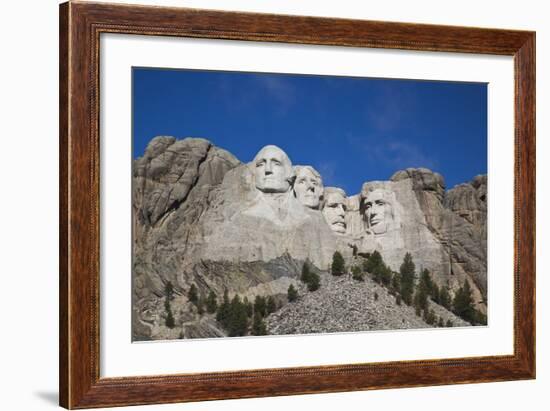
pixel 378 210
pixel 272 170
pixel 334 209
pixel 308 186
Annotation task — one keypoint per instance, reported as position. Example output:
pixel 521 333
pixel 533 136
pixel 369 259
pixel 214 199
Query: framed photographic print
pixel 256 205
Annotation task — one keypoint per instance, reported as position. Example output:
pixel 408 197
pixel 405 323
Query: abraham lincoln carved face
pixel 377 210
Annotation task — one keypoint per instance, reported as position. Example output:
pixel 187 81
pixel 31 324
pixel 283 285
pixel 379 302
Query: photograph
pixel 269 204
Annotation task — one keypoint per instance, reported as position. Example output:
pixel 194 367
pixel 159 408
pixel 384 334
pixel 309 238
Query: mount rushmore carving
pixel 200 216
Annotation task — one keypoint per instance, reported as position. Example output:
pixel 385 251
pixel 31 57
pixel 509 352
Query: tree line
pixel 237 316
pixel 415 290
pixel 240 317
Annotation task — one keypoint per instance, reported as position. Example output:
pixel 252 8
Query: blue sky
pixel 351 130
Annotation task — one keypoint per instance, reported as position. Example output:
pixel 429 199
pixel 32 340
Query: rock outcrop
pixel 342 305
pixel 445 232
pixel 242 226
pixel 458 220
pixel 202 217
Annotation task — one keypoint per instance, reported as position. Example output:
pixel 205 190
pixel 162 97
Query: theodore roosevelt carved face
pixel 272 170
pixel 308 186
pixel 334 209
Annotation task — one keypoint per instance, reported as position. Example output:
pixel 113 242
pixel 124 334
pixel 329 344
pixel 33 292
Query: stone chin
pixel 378 227
pixel 311 201
pixel 338 228
pixel 272 185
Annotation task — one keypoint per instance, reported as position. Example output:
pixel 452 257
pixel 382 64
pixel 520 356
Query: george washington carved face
pixel 272 170
pixel 308 186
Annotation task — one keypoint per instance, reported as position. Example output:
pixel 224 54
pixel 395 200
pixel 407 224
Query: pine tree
pixel 444 298
pixel 480 318
pixel 440 322
pixel 314 282
pixel 436 294
pixel 432 318
pixel 396 283
pixel 193 295
pixel 421 298
pixel 338 266
pixel 449 323
pixel 258 325
pixel 407 272
pixel 381 273
pixel 385 274
pixel 271 305
pixel 357 274
pixel 169 291
pixel 224 311
pixel 260 306
pixel 169 321
pixel 430 286
pixel 169 296
pixel 426 282
pixel 200 305
pixel 306 273
pixel 463 304
pixel 373 263
pixel 238 320
pixel 424 288
pixel 310 278
pixel 429 317
pixel 211 303
pixel 249 307
pixel 292 294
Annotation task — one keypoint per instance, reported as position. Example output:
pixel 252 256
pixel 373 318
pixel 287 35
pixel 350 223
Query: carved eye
pixel 260 163
pixel 368 205
pixel 301 181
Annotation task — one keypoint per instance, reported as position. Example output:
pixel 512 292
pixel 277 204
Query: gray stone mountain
pixel 200 216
